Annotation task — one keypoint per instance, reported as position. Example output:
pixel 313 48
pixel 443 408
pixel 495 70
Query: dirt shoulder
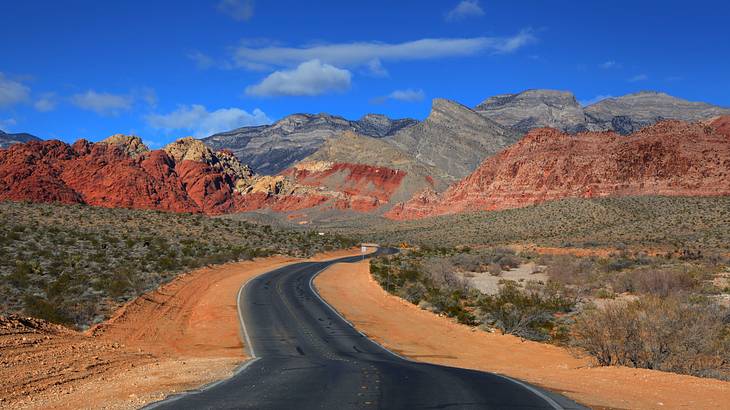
pixel 424 336
pixel 183 335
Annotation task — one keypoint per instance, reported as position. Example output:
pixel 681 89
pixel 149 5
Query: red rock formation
pixel 669 158
pixel 184 177
pixel 106 175
pixel 359 187
pixel 722 124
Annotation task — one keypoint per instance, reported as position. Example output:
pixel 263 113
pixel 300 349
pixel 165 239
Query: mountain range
pixel 269 149
pixel 532 109
pixel 671 158
pixel 495 156
pixel 7 140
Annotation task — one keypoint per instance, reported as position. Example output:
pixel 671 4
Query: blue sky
pixel 166 69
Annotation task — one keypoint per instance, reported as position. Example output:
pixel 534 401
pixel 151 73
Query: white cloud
pixel 638 77
pixel 309 78
pixel 202 123
pixel 241 10
pixel 12 92
pixel 375 68
pixel 146 94
pixel 46 102
pixel 7 123
pixel 465 8
pixel 102 103
pixel 595 99
pixel 406 95
pixel 364 53
pixel 609 64
pixel 409 95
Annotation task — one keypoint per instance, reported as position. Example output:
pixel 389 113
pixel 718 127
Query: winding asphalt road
pixel 306 356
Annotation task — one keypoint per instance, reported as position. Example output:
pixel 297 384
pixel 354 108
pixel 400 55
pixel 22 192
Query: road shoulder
pixel 179 337
pixel 424 336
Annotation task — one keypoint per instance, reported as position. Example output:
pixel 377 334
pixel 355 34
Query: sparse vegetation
pixel 682 225
pixel 666 312
pixel 73 264
pixel 668 334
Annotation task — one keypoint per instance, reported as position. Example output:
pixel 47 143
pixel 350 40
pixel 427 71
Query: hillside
pixel 453 138
pixel 535 109
pixel 269 149
pixel 7 140
pixel 632 112
pixel 73 264
pixel 355 148
pixel 669 158
pixel 532 109
pixel 643 222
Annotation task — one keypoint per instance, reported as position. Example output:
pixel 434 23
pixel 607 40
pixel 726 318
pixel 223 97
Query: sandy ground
pixel 179 337
pixel 490 284
pixel 424 336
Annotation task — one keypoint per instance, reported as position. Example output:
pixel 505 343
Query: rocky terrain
pixel 120 172
pixel 354 148
pixel 453 138
pixel 7 140
pixel 668 158
pixel 532 109
pixel 269 149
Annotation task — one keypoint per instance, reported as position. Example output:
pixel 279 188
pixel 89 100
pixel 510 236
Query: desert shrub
pixel 568 270
pixel 657 282
pixel 494 269
pixel 657 333
pixel 43 309
pixel 528 314
pixel 413 292
pixel 84 261
pixel 440 273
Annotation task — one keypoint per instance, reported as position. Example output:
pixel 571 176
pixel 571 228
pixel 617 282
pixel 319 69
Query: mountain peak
pixel 535 108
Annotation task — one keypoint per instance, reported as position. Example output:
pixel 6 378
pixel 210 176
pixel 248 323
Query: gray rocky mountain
pixel 355 148
pixel 635 111
pixel 534 109
pixel 7 140
pixel 269 149
pixel 560 109
pixel 453 138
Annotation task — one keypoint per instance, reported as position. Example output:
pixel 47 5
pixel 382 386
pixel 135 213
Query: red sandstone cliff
pixel 185 176
pixel 669 158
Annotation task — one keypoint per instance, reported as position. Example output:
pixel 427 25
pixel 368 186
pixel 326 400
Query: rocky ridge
pixel 669 158
pixel 532 109
pixel 270 149
pixel 184 176
pixel 453 138
pixel 6 140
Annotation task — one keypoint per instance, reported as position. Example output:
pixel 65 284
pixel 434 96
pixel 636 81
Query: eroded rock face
pixel 669 158
pixel 132 145
pixel 453 138
pixel 532 109
pixel 186 176
pixel 270 149
pixel 535 109
pixel 121 172
pixel 352 186
pixel 632 112
pixel 6 140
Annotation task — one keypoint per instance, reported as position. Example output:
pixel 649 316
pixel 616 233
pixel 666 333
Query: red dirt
pixel 669 158
pixel 183 335
pixel 404 328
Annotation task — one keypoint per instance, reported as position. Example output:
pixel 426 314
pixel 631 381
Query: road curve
pixel 306 356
